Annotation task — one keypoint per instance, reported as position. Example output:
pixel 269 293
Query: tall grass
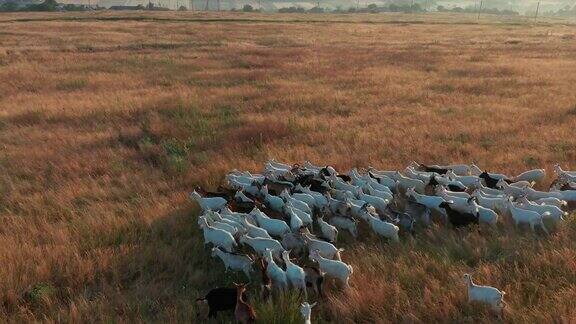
pixel 107 121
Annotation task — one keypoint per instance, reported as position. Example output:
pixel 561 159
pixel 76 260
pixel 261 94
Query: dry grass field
pixel 108 120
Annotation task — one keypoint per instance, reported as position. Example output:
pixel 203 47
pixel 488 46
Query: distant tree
pixel 292 10
pixel 247 8
pixel 182 8
pixel 73 7
pixel 441 8
pixel 9 6
pixel 47 5
pixel 316 10
pixel 417 8
pixel 373 8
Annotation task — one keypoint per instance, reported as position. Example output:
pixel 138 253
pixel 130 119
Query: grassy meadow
pixel 107 121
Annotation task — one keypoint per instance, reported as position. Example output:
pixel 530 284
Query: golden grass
pixel 107 121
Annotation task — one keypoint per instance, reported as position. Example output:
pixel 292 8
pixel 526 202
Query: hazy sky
pixel 523 6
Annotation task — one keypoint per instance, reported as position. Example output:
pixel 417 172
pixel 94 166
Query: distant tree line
pixel 494 11
pixel 395 7
pixel 47 5
pixel 53 5
pixel 392 7
pixel 565 11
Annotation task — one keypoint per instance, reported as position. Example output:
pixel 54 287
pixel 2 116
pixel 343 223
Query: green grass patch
pixel 72 85
pixel 176 135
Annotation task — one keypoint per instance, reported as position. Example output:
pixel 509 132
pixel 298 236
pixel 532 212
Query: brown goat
pixel 244 313
pixel 266 286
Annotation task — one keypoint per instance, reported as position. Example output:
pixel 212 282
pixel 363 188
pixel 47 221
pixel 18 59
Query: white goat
pixel 234 261
pixel 511 190
pixel 295 221
pixel 419 175
pixel 308 165
pixel 523 216
pixel 446 181
pixel 552 202
pixel 459 169
pixel 432 202
pixel 295 274
pixel 261 244
pixel 485 215
pixel 319 198
pixel 387 230
pixel 485 294
pixel 275 203
pixel 441 191
pixel 355 206
pixel 340 184
pixel 219 225
pixel 279 165
pixel 378 203
pixel 306 311
pixel 226 212
pixel 405 182
pixel 307 198
pixel 255 231
pixel 276 227
pixel 556 213
pixel 498 204
pixel 377 185
pixel 535 175
pixel 458 203
pixel 345 223
pixel 328 231
pixel 488 190
pixel 467 180
pixel 231 220
pixel 357 179
pixel 208 203
pixel 382 173
pixel 274 272
pixel 304 216
pixel 327 249
pixel 535 194
pixel 567 195
pixel 382 180
pixel 241 197
pixel 333 268
pixel 386 195
pixel 568 175
pixel 303 206
pixel 218 237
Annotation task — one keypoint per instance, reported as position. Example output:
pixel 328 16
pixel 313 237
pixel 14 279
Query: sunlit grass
pixel 107 122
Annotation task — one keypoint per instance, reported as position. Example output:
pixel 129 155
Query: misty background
pixel 527 7
pixel 521 6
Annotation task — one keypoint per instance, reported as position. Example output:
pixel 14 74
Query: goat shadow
pixel 168 269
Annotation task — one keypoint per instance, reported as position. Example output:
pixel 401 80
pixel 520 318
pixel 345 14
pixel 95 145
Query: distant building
pixel 138 7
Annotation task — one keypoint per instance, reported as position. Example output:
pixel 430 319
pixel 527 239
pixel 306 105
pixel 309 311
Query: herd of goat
pixel 298 209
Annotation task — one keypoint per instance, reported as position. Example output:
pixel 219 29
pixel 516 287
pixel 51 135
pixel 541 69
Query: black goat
pixel 314 279
pixel 491 181
pixel 456 188
pixel 220 299
pixel 426 168
pixel 457 218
